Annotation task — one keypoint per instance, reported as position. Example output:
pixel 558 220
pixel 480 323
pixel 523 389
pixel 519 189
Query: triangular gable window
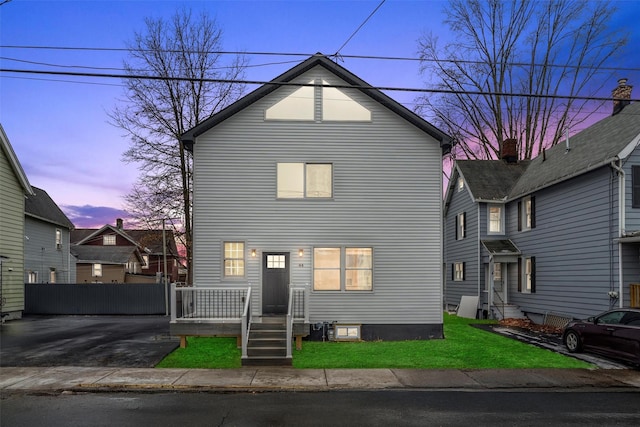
pixel 332 103
pixel 297 106
pixel 338 106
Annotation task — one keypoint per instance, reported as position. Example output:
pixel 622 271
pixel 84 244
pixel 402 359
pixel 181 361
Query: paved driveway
pixel 115 341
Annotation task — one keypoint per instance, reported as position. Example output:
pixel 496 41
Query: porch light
pixel 300 252
pixel 253 253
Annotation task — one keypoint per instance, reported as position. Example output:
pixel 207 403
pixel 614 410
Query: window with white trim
pixel 458 271
pixel 460 184
pixel 461 223
pixel 304 180
pixel 109 239
pixel 527 275
pixel 32 277
pixel 342 269
pixel 58 238
pixel 526 213
pixel 52 275
pixel 495 218
pixel 234 258
pixel 96 270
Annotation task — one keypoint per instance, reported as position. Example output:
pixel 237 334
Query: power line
pixel 337 54
pixel 299 84
pixel 306 55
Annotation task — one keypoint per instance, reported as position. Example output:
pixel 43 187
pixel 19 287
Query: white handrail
pixel 245 324
pixel 289 322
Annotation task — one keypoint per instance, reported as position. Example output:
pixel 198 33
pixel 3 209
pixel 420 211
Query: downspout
pixel 621 225
pixel 479 267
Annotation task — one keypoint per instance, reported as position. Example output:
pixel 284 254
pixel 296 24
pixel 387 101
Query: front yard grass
pixel 464 347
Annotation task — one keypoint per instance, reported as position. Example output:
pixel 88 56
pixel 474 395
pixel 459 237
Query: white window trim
pixel 527 214
pixel 305 189
pixel 460 220
pixel 344 269
pixel 458 272
pixel 244 259
pixel 502 210
pixel 526 275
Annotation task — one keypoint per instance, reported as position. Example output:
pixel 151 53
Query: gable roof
pixel 606 141
pixel 40 206
pixel 318 59
pixel 85 237
pixel 6 147
pixel 105 254
pixel 149 240
pixel 491 180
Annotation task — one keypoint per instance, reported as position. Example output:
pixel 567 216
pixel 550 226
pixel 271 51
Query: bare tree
pixel 185 53
pixel 500 48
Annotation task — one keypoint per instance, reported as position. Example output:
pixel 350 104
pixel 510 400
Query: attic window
pixel 299 105
pixel 318 103
pixel 460 184
pixel 109 240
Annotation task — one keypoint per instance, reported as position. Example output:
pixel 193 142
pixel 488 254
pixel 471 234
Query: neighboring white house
pixel 318 179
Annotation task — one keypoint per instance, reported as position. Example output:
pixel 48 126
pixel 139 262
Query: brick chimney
pixel 509 151
pixel 119 223
pixel 621 96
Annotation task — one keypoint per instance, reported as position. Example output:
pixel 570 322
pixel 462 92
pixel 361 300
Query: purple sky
pixel 58 126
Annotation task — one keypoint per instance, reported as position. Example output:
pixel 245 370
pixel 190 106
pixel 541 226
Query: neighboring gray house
pixel 548 235
pixel 318 179
pixel 14 186
pixel 47 256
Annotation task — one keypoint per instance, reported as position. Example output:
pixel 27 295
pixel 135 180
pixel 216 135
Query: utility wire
pixel 306 55
pixel 337 54
pixel 300 84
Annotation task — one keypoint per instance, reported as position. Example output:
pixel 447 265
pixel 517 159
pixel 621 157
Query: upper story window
pixel 109 239
pixel 527 213
pixel 460 185
pixel 233 259
pixel 348 269
pixel 496 219
pixel 319 102
pixel 461 225
pixel 145 261
pixel 52 275
pixel 58 238
pixel 635 186
pixel 304 180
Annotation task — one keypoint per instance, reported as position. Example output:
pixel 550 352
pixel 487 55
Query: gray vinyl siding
pixel 387 195
pixel 42 255
pixel 11 237
pixel 576 263
pixel 464 250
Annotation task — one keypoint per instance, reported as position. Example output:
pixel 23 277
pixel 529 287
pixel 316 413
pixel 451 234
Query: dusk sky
pixel 58 125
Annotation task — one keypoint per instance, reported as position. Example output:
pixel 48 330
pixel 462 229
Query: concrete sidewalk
pixel 84 379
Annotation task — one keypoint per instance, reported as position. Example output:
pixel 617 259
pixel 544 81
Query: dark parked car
pixel 615 333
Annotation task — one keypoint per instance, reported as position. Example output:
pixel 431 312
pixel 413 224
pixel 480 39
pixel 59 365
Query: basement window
pixel 347 333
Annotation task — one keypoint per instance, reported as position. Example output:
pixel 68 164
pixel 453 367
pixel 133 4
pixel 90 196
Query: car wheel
pixel 573 342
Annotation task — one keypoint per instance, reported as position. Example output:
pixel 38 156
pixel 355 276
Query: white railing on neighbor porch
pixel 222 303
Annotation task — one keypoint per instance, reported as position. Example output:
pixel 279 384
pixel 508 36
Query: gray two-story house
pixel 47 255
pixel 559 234
pixel 319 180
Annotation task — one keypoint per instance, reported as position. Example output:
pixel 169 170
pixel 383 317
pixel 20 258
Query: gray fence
pixel 94 298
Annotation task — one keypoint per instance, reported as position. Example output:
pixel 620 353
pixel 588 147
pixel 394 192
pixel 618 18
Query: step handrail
pixel 246 323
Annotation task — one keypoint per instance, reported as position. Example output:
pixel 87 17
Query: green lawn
pixel 464 347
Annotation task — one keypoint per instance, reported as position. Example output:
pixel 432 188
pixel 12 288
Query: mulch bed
pixel 528 325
